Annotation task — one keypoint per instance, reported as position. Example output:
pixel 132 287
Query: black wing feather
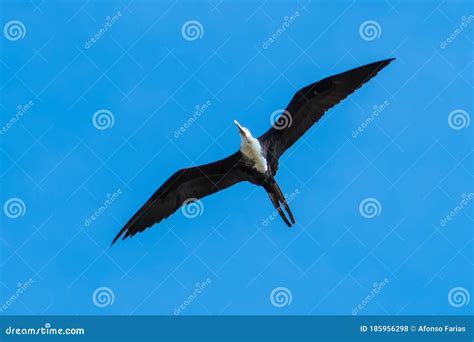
pixel 190 183
pixel 309 104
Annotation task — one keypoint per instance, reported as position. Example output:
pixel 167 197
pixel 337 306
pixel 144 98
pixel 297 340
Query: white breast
pixel 253 151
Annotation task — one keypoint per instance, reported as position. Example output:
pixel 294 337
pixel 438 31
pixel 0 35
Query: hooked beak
pixel 240 128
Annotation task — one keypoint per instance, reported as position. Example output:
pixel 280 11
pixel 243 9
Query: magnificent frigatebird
pixel 257 160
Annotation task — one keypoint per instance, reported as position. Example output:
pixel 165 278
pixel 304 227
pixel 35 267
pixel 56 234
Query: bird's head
pixel 245 135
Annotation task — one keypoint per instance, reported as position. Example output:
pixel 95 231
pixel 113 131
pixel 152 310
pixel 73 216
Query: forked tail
pixel 277 198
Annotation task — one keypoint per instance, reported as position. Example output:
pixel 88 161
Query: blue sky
pixel 402 145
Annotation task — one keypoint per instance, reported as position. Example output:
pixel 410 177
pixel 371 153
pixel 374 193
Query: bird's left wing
pixel 185 186
pixel 310 103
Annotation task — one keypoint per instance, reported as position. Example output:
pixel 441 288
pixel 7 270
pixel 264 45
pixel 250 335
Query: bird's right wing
pixel 310 103
pixel 184 187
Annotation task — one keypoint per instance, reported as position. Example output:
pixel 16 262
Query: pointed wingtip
pixel 385 62
pixel 118 236
pixel 379 65
pixel 114 240
pixel 388 60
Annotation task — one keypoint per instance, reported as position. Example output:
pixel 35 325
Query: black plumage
pixel 307 106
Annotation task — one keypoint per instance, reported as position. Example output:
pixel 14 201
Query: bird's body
pixel 257 159
pixel 251 148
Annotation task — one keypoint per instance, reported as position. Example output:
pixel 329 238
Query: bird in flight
pixel 257 159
